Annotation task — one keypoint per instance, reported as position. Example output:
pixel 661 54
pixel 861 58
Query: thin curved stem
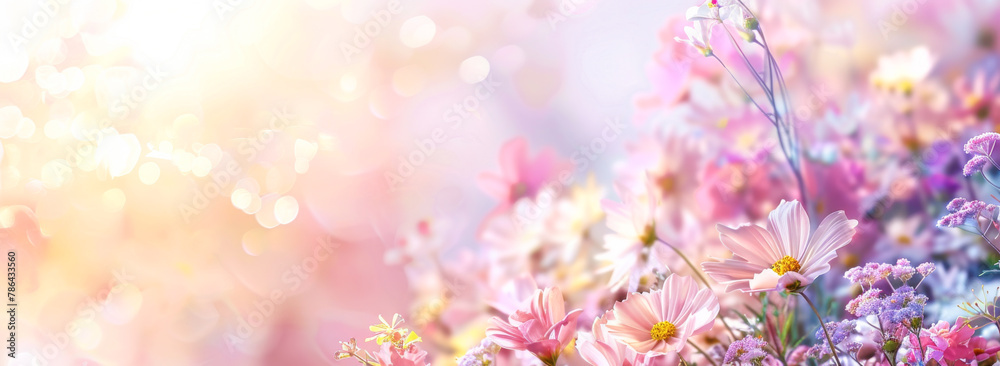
pixel 688 261
pixel 753 70
pixel 822 324
pixel 703 353
pixel 703 280
pixel 745 91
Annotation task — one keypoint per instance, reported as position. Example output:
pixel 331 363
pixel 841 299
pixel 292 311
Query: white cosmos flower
pixel 744 23
pixel 699 36
pixel 717 10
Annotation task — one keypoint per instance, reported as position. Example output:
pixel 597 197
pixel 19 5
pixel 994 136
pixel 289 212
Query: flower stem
pixel 822 324
pixel 703 280
pixel 703 353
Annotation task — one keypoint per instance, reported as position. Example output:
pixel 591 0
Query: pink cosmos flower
pixel 520 176
pixel 672 164
pixel 543 329
pixel 602 349
pixel 660 322
pixel 783 256
pixel 632 248
pixel 977 97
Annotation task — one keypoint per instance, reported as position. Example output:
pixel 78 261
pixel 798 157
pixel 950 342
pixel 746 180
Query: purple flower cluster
pixel 869 273
pixel 902 306
pixel 925 268
pixel 962 210
pixel 899 310
pixel 749 350
pixel 867 303
pixel 982 144
pixel 975 164
pixel 956 204
pixel 482 355
pixel 840 334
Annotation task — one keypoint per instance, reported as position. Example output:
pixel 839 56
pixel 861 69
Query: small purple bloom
pixel 982 144
pixel 925 268
pixel 956 204
pixel 974 165
pixel 748 350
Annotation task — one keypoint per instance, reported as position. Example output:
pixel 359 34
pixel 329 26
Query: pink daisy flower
pixel 783 256
pixel 601 349
pixel 660 322
pixel 632 249
pixel 543 329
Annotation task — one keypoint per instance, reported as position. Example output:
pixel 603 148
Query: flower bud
pixel 891 346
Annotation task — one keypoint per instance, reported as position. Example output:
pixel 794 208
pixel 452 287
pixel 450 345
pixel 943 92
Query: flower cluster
pixel 746 351
pixel 662 287
pixel 952 344
pixel 968 212
pixel 895 313
pixel 482 355
pixel 842 336
pixel 398 346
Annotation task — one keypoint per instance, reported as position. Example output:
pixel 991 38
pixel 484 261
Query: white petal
pixel 765 281
pixel 789 224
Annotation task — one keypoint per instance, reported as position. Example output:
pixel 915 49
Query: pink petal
pixel 735 274
pixel 544 348
pixel 505 335
pixel 765 281
pixel 790 225
pixel 751 243
pixel 513 154
pixel 495 186
pixel 790 279
pixel 835 232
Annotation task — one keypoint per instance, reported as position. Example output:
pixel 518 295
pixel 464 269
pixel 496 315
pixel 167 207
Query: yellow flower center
pixel 904 239
pixel 648 237
pixel 906 87
pixel 667 184
pixel 786 264
pixel 663 330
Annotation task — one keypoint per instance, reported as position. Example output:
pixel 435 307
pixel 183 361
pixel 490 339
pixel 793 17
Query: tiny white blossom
pixel 717 10
pixel 698 37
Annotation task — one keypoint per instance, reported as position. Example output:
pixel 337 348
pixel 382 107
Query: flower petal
pixel 835 232
pixel 765 281
pixel 789 224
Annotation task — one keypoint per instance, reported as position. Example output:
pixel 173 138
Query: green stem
pixel 703 353
pixel 822 324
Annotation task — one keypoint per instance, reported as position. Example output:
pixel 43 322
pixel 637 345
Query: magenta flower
pixel 660 322
pixel 543 329
pixel 946 343
pixel 784 256
pixel 983 348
